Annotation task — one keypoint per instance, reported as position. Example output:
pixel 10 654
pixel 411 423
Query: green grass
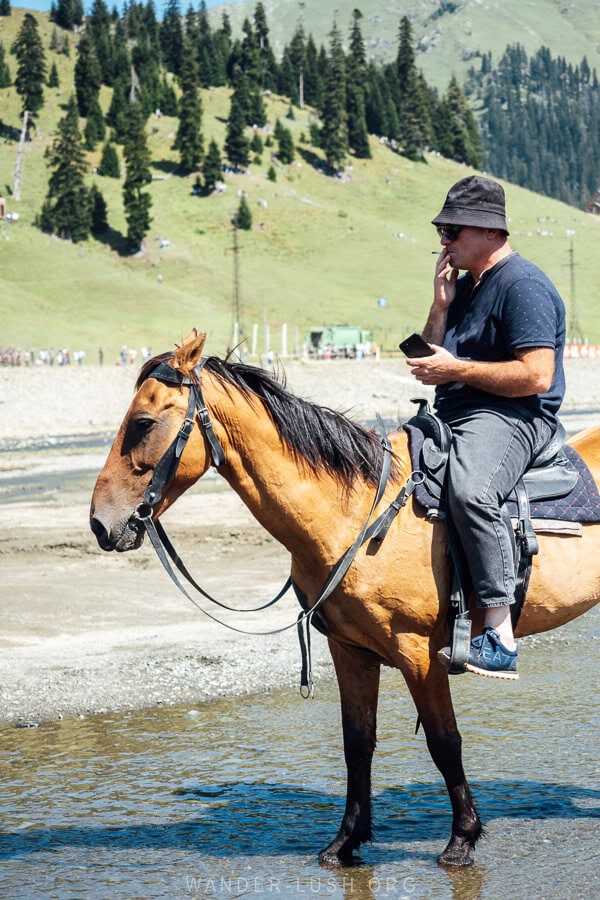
pixel 322 251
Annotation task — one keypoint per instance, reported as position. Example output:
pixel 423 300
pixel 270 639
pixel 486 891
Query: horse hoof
pixel 332 857
pixel 456 854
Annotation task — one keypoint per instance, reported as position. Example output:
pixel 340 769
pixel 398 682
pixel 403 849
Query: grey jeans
pixel 491 449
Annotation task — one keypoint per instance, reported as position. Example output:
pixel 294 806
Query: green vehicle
pixel 334 341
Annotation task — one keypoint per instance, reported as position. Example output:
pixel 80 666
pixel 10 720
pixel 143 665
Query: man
pixel 498 333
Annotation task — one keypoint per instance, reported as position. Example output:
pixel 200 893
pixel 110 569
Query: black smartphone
pixel 414 346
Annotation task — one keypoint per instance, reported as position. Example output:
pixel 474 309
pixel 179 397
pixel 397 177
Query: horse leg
pixel 430 690
pixel 357 674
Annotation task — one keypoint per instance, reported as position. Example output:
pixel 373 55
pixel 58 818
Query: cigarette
pixel 436 252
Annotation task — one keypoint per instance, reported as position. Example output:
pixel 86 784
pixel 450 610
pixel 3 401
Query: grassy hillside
pixel 449 34
pixel 322 251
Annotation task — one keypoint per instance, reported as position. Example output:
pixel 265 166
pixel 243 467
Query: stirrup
pixel 461 644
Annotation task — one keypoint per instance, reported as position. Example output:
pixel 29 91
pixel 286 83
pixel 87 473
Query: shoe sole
pixel 507 676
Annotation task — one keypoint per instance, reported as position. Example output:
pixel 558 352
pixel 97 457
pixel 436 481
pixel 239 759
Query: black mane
pixel 316 435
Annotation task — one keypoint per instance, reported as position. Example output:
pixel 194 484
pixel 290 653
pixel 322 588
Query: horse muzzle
pixel 127 535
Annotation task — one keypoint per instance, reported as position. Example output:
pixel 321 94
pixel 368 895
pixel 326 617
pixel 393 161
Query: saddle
pixel 552 475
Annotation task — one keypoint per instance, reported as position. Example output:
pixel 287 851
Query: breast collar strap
pixel 167 465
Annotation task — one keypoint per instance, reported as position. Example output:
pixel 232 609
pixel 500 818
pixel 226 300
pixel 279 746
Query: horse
pixel 309 475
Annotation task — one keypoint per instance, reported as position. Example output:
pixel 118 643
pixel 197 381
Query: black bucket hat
pixel 475 201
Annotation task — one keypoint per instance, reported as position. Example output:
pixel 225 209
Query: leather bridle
pixel 168 464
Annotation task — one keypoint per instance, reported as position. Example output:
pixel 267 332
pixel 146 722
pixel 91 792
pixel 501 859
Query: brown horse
pixel 309 477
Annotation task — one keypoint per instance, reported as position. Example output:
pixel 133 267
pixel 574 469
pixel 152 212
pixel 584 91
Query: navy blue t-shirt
pixel 515 306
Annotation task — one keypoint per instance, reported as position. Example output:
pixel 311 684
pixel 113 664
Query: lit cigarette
pixel 436 252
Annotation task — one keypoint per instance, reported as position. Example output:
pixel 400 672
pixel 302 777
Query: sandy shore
pixel 83 631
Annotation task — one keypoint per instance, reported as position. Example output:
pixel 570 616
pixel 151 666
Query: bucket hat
pixel 475 201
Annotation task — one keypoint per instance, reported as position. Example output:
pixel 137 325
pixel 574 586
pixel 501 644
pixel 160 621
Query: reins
pixel 165 470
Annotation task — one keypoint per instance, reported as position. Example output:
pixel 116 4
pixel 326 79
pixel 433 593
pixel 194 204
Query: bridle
pixel 166 469
pixel 168 464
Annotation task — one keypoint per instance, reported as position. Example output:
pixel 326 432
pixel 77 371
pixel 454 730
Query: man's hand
pixel 439 368
pixel 444 282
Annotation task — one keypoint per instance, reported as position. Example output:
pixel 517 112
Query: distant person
pixel 498 332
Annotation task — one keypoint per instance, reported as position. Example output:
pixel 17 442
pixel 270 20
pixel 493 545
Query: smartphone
pixel 414 346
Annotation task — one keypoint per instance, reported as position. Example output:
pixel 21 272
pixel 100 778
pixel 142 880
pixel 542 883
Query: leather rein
pixel 166 469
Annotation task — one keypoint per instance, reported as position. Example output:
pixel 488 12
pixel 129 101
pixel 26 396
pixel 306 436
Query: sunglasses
pixel 450 232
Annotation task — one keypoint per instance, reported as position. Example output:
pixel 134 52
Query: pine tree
pixel 297 57
pixel 237 146
pixel 256 144
pixel 313 82
pixel 375 105
pixel 121 58
pixel 189 140
pixel 67 14
pixel 53 79
pixel 98 26
pixel 168 99
pixel 249 57
pixel 212 167
pixel 95 127
pixel 66 211
pixel 98 211
pixel 358 138
pixel 334 131
pixel 109 163
pixel 5 9
pixel 31 67
pixel 117 112
pixel 267 63
pixel 241 92
pixel 5 79
pixel 415 127
pixel 87 76
pixel 243 218
pixel 286 146
pixel 257 114
pixel 171 37
pixel 461 139
pixel 136 202
pixel 207 63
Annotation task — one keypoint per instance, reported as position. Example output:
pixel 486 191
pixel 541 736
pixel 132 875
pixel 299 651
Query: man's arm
pixel 531 372
pixel 444 292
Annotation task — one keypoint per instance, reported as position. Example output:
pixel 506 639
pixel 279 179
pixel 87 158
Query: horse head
pixel 157 427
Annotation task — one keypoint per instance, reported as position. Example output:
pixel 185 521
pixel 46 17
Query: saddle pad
pixel 582 504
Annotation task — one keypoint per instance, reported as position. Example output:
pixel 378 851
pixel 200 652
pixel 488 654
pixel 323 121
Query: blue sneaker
pixel 488 656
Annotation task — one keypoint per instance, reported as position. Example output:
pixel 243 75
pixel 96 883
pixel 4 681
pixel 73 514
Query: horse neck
pixel 291 501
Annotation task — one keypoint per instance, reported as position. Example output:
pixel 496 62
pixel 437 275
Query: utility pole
pixel 575 335
pixel 237 328
pixel 19 162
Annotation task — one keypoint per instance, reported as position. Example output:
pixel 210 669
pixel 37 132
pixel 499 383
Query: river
pixel 233 798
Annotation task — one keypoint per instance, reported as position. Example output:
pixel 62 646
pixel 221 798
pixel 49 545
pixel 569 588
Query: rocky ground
pixel 83 631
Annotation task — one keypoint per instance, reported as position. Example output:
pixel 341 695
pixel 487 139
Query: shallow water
pixel 234 798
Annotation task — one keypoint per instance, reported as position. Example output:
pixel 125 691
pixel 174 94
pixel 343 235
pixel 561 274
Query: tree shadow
pixel 9 132
pixel 113 239
pixel 312 159
pixel 167 166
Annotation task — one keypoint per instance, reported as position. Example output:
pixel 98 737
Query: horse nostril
pixel 101 533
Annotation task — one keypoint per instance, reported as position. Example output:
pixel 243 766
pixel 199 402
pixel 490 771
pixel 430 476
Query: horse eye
pixel 143 424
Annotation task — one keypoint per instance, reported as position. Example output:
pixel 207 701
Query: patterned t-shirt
pixel 515 306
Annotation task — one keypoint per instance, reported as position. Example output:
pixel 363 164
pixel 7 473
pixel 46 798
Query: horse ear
pixel 189 351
